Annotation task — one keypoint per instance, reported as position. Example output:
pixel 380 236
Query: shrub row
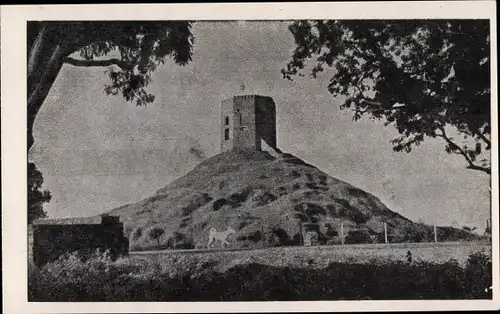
pixel 99 278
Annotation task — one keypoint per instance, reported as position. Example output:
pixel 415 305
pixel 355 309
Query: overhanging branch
pixel 371 102
pixel 462 152
pixel 147 48
pixel 99 63
pixel 476 167
pixel 486 140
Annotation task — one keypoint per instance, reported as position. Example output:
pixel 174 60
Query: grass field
pixel 350 272
pixel 322 256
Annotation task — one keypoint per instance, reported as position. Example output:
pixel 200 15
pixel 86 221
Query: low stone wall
pixel 49 239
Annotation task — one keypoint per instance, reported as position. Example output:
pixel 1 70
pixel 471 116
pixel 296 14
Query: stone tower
pixel 248 121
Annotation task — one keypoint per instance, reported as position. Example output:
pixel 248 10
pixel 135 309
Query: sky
pixel 97 152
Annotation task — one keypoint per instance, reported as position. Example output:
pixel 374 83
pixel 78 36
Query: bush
pixel 179 278
pixel 478 271
pixel 255 236
pixel 137 233
pixel 310 209
pixel 264 199
pixel 323 179
pixel 155 233
pixel 282 191
pixel 358 193
pixel 342 208
pixel 217 205
pixel 314 186
pixel 237 198
pixel 73 278
pixel 330 231
pixel 179 241
pixel 196 203
pixel 310 177
pixel 414 233
pixel 279 237
pixel 295 174
pixel 358 217
pixel 333 209
pixel 243 224
pixel 357 237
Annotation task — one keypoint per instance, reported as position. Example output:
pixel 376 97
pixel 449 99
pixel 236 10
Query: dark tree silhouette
pixel 487 230
pixel 36 197
pixel 469 229
pixel 155 233
pixel 428 78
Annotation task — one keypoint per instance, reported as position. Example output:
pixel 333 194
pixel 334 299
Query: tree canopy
pixel 134 49
pixel 427 78
pixel 131 50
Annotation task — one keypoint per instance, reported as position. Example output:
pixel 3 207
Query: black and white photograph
pixel 217 158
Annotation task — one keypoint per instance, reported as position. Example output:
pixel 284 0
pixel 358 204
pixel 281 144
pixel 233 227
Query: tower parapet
pixel 246 121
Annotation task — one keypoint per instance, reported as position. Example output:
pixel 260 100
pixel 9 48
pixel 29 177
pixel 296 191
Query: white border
pixel 13 69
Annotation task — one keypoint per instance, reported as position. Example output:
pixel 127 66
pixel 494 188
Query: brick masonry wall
pixel 244 126
pixel 251 118
pixel 227 111
pixel 265 121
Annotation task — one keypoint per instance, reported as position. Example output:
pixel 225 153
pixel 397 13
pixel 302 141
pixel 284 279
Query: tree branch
pixel 461 152
pixel 147 48
pixel 41 87
pixel 99 63
pixel 34 51
pixel 370 102
pixel 476 167
pixel 487 141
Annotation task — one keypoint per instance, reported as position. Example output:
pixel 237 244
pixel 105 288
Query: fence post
pixel 193 238
pixel 435 233
pixel 385 232
pixel 301 235
pixel 342 232
pixel 263 235
pixel 488 230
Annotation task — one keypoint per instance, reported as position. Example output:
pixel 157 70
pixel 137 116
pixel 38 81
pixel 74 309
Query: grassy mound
pixel 265 199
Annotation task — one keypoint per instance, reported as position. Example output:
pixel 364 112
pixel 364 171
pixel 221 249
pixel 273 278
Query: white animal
pixel 221 236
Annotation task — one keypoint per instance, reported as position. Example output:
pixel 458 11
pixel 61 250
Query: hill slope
pixel 261 197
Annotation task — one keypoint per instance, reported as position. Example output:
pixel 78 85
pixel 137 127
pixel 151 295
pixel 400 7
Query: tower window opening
pixel 226 121
pixel 226 134
pixel 238 113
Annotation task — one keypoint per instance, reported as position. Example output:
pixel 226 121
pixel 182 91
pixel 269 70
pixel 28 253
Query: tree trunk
pixel 45 60
pixel 37 97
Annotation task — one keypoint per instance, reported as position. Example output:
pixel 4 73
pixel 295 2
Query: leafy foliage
pixel 427 78
pixel 184 278
pixel 155 233
pixel 137 233
pixel 417 233
pixel 134 49
pixel 469 229
pixel 36 196
pixel 358 236
pixel 141 45
pixel 487 230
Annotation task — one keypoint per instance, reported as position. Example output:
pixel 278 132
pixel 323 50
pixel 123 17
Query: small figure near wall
pixel 409 258
pixel 221 236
